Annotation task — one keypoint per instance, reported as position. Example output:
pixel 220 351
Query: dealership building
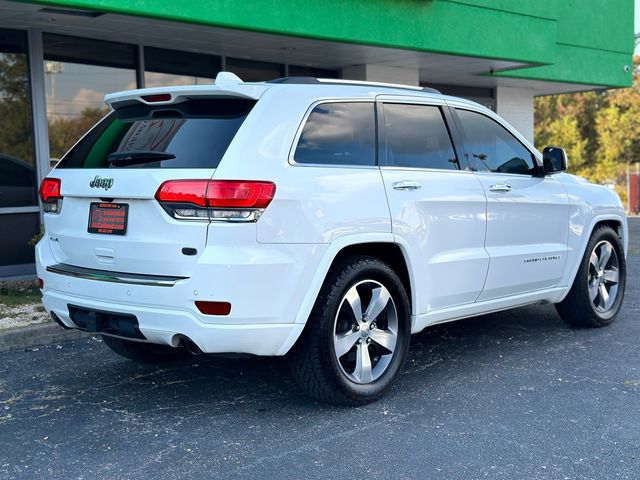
pixel 59 58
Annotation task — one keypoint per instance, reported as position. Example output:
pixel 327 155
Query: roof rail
pixel 335 81
pixel 295 80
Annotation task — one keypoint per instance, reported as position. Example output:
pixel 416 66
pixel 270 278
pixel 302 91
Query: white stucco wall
pixel 515 105
pixel 382 73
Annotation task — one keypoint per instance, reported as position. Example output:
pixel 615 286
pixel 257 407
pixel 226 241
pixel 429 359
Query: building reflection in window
pixel 79 72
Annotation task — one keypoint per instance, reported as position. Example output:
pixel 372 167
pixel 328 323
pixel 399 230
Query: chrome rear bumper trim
pixel 114 277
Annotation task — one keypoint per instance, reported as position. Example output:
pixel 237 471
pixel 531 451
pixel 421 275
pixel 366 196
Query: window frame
pixel 535 155
pixel 449 124
pixel 296 139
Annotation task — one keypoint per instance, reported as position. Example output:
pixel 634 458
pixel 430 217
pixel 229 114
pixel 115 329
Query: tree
pixel 65 131
pixel 599 130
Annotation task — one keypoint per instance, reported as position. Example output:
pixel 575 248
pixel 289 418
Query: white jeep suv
pixel 323 220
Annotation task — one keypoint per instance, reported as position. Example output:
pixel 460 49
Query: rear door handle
pixel 406 185
pixel 500 187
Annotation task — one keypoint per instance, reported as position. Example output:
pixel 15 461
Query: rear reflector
pixel 40 283
pixel 214 308
pixel 159 97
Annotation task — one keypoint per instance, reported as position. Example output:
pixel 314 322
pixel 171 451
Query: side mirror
pixel 554 159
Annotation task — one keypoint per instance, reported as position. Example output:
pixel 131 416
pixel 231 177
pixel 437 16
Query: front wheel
pixel 596 295
pixel 357 336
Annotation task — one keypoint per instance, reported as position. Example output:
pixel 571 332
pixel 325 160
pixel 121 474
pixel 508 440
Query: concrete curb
pixel 37 335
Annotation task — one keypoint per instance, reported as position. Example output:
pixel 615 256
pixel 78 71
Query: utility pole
pixel 53 68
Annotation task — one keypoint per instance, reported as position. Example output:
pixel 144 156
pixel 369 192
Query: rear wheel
pixel 598 289
pixel 357 336
pixel 145 352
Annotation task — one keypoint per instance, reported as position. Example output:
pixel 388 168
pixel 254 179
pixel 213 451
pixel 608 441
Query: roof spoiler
pixel 226 85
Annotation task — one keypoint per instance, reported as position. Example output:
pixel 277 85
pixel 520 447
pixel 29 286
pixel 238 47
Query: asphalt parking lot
pixel 509 395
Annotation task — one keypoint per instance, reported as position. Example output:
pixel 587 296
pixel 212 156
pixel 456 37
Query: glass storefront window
pixel 254 71
pixel 78 74
pixel 17 163
pixel 165 67
pixel 301 71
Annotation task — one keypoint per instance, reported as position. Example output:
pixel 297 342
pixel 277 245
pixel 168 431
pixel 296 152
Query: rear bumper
pixel 265 288
pixel 165 327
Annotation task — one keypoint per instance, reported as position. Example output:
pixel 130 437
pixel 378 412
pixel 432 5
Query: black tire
pixel 578 309
pixel 145 352
pixel 314 362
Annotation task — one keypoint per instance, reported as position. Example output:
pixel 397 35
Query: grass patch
pixel 19 293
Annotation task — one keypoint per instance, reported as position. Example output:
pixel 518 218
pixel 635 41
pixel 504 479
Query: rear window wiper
pixel 133 157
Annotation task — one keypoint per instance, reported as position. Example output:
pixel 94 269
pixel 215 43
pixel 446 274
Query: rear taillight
pixel 50 195
pixel 216 200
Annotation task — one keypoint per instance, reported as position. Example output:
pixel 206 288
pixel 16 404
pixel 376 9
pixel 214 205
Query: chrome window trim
pixel 410 99
pixel 425 169
pixel 508 175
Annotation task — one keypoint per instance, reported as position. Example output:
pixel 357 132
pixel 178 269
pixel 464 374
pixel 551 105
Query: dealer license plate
pixel 108 218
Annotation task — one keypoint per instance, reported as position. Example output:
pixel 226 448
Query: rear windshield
pixel 191 134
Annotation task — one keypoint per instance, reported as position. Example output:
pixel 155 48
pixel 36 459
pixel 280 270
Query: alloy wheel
pixel 603 276
pixel 365 332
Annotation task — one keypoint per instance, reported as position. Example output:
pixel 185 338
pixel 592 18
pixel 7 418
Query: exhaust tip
pixel 190 346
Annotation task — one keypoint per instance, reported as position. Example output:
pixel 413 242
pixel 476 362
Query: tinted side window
pixel 338 134
pixel 490 147
pixel 416 136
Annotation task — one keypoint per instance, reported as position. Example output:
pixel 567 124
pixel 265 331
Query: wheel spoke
pixel 593 290
pixel 593 261
pixel 605 255
pixel 611 276
pixel 603 295
pixel 384 338
pixel 344 342
pixel 353 298
pixel 362 372
pixel 379 299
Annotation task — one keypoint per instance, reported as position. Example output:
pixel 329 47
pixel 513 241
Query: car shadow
pixel 263 383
